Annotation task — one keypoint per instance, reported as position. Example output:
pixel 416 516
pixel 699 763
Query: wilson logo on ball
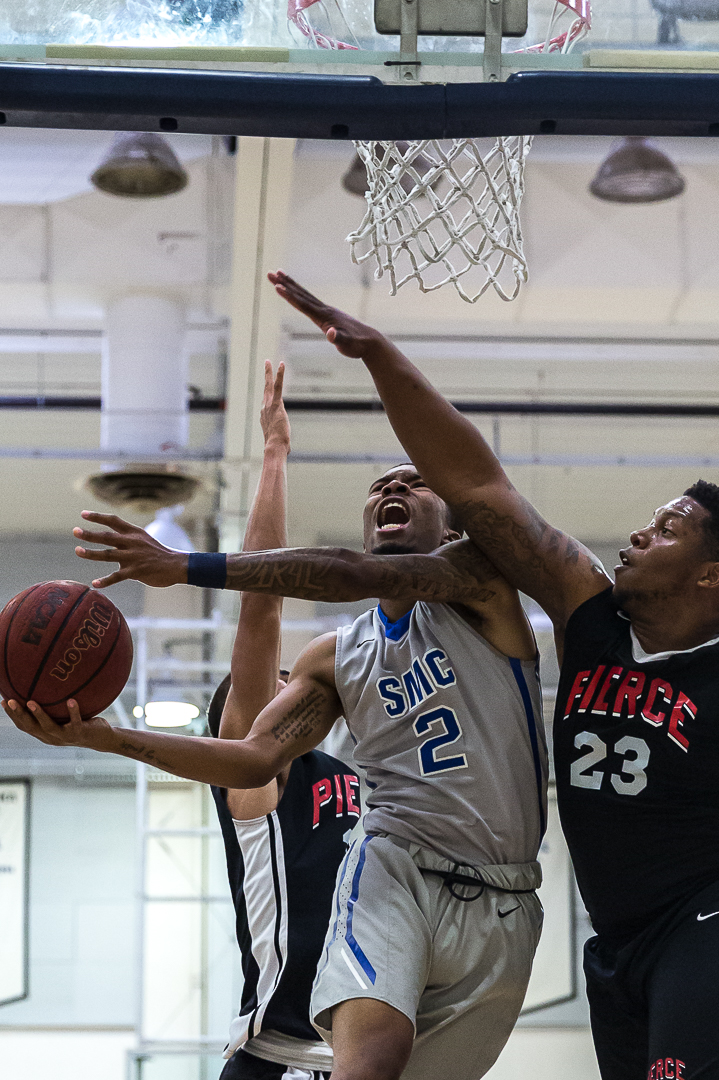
pixel 43 614
pixel 88 636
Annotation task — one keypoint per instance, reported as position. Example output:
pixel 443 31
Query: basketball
pixel 61 640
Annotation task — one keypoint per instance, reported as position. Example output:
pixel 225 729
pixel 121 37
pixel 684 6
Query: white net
pixel 441 212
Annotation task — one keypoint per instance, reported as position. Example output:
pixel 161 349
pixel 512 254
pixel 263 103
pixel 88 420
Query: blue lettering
pixel 390 690
pixel 441 678
pixel 417 684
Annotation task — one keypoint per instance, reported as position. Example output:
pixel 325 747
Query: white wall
pixel 64 1055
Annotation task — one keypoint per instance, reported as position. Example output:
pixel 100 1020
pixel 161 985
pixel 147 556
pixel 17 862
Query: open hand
pixel 348 335
pixel 273 417
pixel 140 556
pixel 73 732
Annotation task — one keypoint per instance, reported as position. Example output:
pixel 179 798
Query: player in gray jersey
pixel 436 918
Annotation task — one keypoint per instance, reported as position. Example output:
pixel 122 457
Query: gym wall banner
pixel 14 817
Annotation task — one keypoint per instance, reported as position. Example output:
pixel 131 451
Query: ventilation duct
pixel 144 404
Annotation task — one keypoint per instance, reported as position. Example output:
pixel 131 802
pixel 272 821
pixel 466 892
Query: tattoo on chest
pixel 302 719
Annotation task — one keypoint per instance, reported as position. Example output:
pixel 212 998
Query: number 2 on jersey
pixel 629 781
pixel 450 732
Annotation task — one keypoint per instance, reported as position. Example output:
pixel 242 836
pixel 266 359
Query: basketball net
pixel 443 212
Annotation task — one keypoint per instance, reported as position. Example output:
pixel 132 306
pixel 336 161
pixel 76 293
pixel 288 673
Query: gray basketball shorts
pixel 458 969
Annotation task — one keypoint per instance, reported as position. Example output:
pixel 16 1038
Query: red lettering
pixel 601 705
pixel 676 720
pixel 631 687
pixel 668 1075
pixel 652 1074
pixel 657 686
pixel 338 794
pixel 321 795
pixel 680 1069
pixel 576 690
pixel 589 692
pixel 660 1070
pixel 352 807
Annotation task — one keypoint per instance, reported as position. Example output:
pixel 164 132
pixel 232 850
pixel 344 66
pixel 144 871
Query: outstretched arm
pixel 454 573
pixel 458 463
pixel 255 654
pixel 294 722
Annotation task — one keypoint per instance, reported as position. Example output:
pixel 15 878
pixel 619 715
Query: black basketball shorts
pixel 244 1066
pixel 654 1002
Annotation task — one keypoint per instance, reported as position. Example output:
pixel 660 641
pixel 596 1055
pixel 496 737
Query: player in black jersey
pixel 636 731
pixel 284 842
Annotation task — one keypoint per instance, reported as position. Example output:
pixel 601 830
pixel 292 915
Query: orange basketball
pixel 61 640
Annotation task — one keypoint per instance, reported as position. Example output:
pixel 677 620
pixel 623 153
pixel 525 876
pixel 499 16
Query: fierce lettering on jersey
pixel 422 679
pixel 631 694
pixel 340 793
pixel 667 1069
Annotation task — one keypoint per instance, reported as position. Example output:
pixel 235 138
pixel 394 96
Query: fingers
pixel 279 382
pixel 106 555
pixel 111 579
pixel 111 521
pixel 298 297
pixel 99 537
pixel 25 720
pixel 269 381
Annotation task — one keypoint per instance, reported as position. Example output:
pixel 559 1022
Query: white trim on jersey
pixel 265 891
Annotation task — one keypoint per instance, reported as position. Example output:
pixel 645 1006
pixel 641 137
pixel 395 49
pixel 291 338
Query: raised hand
pixel 273 418
pixel 140 556
pixel 348 335
pixel 73 732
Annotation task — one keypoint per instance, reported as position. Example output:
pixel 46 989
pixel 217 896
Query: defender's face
pixel 667 557
pixel 401 512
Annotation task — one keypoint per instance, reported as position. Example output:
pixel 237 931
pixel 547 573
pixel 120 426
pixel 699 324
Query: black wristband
pixel 207 570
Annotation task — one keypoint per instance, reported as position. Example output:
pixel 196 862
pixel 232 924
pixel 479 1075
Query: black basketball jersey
pixel 282 870
pixel 636 747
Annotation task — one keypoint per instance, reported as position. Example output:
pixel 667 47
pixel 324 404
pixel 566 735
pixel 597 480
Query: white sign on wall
pixel 553 973
pixel 14 806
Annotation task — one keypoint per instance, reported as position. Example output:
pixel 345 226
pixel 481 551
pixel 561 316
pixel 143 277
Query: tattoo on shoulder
pixel 302 719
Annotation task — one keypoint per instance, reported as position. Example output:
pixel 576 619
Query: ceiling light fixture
pixel 637 172
pixel 140 164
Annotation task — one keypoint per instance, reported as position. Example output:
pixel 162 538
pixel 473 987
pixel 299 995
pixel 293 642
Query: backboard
pixel 322 70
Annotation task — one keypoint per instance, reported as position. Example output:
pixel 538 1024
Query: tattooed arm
pixel 293 723
pixel 456 461
pixel 455 572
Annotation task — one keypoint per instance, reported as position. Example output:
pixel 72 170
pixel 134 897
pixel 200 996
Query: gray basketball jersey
pixel 449 732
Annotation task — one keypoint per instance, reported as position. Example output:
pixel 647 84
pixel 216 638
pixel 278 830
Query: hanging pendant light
pixel 140 164
pixel 637 172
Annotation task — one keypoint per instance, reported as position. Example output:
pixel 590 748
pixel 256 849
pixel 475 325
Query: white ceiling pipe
pixel 144 378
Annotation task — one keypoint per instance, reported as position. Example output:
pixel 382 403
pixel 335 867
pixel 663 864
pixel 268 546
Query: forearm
pixel 267 524
pixel 447 450
pixel 225 763
pixel 255 654
pixel 337 575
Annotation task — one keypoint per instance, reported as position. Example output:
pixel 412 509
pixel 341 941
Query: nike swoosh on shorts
pixel 701 918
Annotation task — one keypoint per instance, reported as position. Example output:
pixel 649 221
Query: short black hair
pixel 217 704
pixel 707 495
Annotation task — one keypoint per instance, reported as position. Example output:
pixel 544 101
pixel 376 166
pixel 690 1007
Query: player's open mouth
pixel 623 561
pixel 392 515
